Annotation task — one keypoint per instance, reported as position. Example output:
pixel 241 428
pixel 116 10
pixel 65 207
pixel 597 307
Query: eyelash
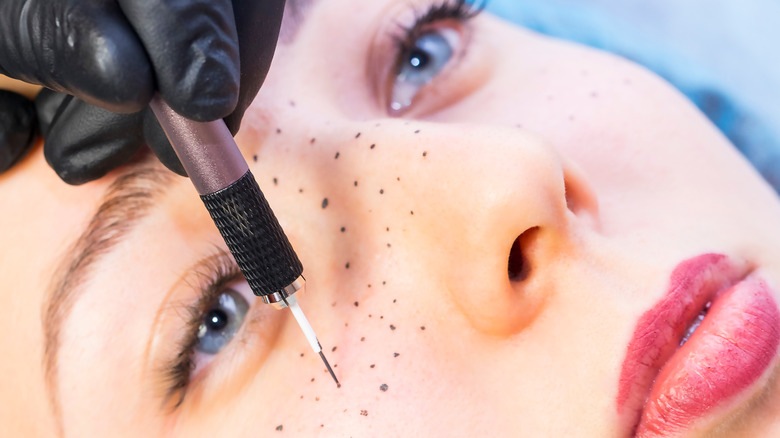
pixel 213 275
pixel 458 10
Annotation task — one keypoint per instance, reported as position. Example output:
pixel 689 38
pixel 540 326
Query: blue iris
pixel 221 322
pixel 426 58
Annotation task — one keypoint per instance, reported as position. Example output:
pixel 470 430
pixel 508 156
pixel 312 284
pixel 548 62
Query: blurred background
pixel 723 54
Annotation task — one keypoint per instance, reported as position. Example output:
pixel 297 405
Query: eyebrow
pixel 295 12
pixel 125 203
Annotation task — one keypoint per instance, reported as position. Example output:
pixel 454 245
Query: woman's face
pixel 502 234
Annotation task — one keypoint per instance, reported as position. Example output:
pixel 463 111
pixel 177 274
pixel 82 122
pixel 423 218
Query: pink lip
pixel 734 345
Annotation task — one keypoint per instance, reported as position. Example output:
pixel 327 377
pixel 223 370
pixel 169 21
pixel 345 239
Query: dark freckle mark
pixel 392 327
pixel 343 229
pixel 363 339
pixel 357 135
pixel 276 181
pixel 254 158
pixel 312 379
pixel 372 146
pixel 381 191
pixel 322 425
pixel 372 366
pixel 335 365
pixel 346 324
pixel 300 190
pixel 336 157
pixel 369 285
pixel 381 317
pixel 387 229
pixel 334 348
pixel 301 397
pixel 316 399
pixel 313 139
pixel 394 300
pixel 278 131
pixel 347 265
pixel 388 245
pixel 355 183
pixel 398 178
pixel 425 154
pixel 396 354
pixel 279 428
pixel 383 387
pixel 333 304
pixel 422 327
pixel 364 412
pixel 356 304
pixel 324 202
pixel 411 212
pixel 417 131
pixel 369 315
pixel 301 354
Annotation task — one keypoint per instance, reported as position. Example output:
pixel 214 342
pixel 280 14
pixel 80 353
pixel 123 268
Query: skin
pixel 617 177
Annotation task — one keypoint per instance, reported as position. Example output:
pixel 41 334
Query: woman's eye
pixel 221 321
pixel 425 58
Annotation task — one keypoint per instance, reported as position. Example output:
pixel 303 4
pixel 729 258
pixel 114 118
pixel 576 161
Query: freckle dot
pixel 417 131
pixel 364 412
pixel 279 427
pixel 312 140
pixel 346 324
pixel 301 354
pixel 387 229
pixel 322 425
pixel 343 229
pixel 300 190
pixel 255 158
pixel 392 327
pixel 422 327
pixel 325 203
pixel 388 245
pixel 411 212
pixel 363 339
pixel 369 286
pixel 372 365
pixel 276 181
pixel 334 348
pixel 292 103
pixel 381 191
pixel 337 156
pixel 278 131
pixel 316 399
pixel 335 365
pixel 425 154
pixel 347 265
pixel 398 178
pixel 381 317
pixel 396 354
pixel 356 304
pixel 370 315
pixel 312 379
pixel 383 387
pixel 357 135
pixel 394 300
pixel 301 397
pixel 372 146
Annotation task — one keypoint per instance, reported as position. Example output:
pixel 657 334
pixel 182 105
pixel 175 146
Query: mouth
pixel 708 340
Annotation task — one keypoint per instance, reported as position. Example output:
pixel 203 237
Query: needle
pixel 292 303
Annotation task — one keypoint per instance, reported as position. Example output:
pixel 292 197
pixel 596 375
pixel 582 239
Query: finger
pixel 194 50
pixel 257 25
pixel 158 142
pixel 47 103
pixel 17 128
pixel 84 48
pixel 85 142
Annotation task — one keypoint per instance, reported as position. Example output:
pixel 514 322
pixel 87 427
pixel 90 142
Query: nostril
pixel 518 266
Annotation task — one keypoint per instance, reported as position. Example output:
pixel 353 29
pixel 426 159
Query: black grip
pixel 254 236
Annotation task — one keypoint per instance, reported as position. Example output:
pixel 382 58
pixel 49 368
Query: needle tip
pixel 330 370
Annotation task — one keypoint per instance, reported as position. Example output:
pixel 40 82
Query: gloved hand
pixel 207 59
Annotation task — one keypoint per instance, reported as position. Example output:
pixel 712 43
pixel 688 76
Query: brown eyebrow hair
pixel 125 203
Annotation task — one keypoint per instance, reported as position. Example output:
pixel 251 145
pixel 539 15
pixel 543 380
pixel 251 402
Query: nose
pixel 462 215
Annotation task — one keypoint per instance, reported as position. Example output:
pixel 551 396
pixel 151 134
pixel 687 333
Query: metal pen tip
pixel 330 370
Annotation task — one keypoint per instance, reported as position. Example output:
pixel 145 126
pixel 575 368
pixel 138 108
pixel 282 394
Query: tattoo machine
pixel 252 233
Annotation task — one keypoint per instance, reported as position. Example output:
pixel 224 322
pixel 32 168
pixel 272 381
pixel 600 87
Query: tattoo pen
pixel 227 187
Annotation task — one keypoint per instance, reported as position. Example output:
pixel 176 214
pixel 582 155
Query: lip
pixel 665 388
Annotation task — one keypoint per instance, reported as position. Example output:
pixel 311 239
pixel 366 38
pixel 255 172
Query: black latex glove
pixel 207 59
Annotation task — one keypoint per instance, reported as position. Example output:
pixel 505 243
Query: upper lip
pixel 693 283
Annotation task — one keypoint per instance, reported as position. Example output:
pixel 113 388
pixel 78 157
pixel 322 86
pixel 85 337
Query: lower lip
pixel 732 348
